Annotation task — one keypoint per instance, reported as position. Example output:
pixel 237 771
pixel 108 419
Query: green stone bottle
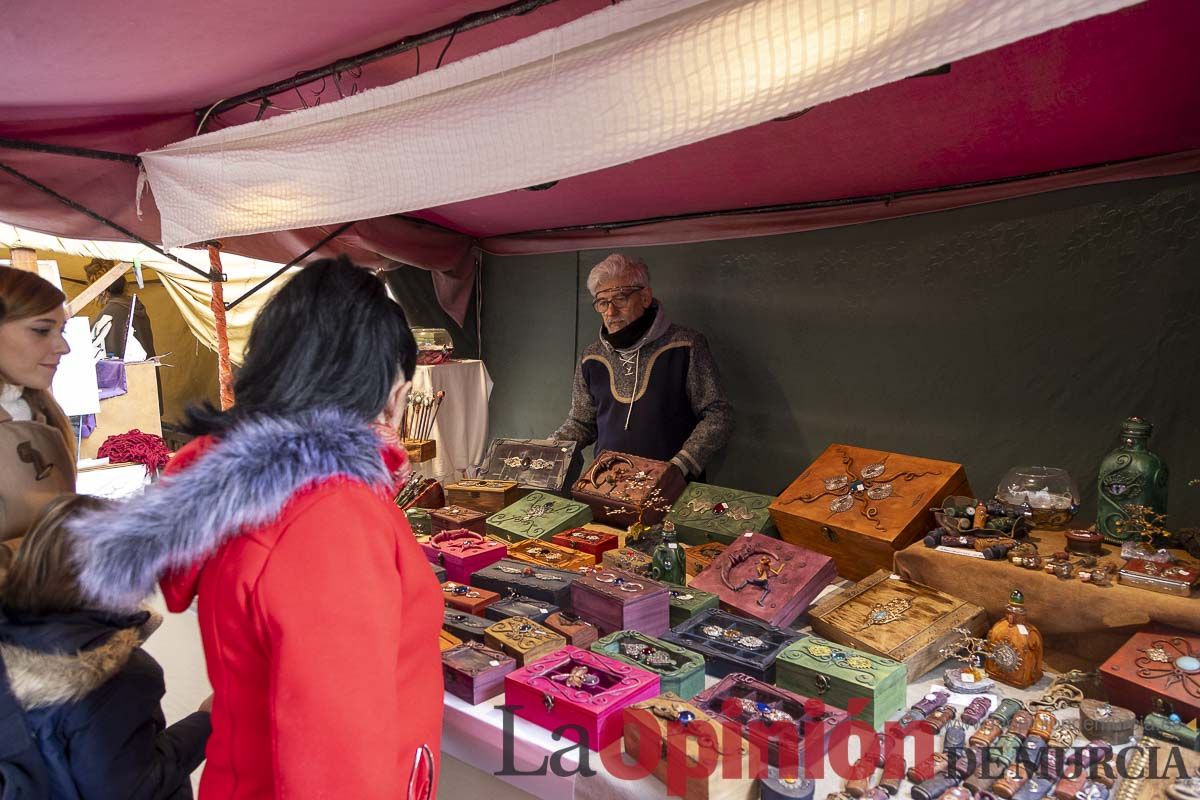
pixel 667 559
pixel 1130 475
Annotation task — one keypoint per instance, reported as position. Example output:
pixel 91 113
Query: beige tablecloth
pixel 461 427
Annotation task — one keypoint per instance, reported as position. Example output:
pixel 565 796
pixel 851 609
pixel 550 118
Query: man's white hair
pixel 633 270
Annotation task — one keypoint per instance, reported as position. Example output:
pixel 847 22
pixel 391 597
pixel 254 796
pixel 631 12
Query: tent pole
pixel 63 150
pixel 224 365
pixel 336 232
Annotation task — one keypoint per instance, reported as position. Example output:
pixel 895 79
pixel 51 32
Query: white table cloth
pixel 461 427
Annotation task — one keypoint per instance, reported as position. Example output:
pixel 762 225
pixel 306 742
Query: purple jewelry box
pixel 475 672
pixel 615 600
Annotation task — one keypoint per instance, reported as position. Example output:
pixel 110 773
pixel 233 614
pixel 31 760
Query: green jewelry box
pixel 705 513
pixel 687 602
pixel 420 521
pixel 837 675
pixel 679 670
pixel 537 515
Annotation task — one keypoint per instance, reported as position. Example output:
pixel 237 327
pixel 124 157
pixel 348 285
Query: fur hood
pixel 239 483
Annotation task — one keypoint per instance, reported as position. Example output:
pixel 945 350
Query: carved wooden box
pixel 483 494
pixel 705 513
pixel 897 619
pixel 508 575
pixel 449 518
pixel 697 557
pixel 533 463
pixel 732 644
pixel 1156 662
pixel 537 515
pixel 679 670
pixel 580 690
pixel 518 606
pixel 578 631
pixel 687 602
pixel 439 572
pixel 623 489
pixel 627 559
pixel 468 627
pixel 1176 579
pixel 614 600
pixel 471 599
pixel 475 672
pixel 447 640
pixel 543 553
pixel 589 541
pixel 840 676
pixel 462 552
pixel 860 506
pixel 766 579
pixel 420 521
pixel 523 639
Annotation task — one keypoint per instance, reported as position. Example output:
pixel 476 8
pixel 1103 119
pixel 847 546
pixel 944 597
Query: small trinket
pixel 1005 712
pixel 1043 725
pixel 1100 720
pixel 1033 750
pixel 1010 781
pixel 1035 788
pixel 1020 724
pixel 937 720
pixel 934 765
pixel 981 516
pixel 1171 729
pixel 956 736
pixel 1087 542
pixel 1005 749
pixel 933 788
pixel 1015 646
pixel 987 733
pixel 976 710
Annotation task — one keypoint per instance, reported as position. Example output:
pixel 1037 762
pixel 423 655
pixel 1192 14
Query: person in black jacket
pixel 91 697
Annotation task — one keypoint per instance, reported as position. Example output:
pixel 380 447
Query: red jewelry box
pixel 475 672
pixel 587 541
pixel 462 552
pixel 576 631
pixel 574 687
pixel 615 600
pixel 766 579
pixel 469 599
pixel 451 518
pixel 1157 661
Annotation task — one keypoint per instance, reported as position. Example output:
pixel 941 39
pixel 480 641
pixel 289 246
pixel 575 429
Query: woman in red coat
pixel 318 612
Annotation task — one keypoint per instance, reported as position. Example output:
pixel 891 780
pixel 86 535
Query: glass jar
pixel 1047 495
pixel 434 345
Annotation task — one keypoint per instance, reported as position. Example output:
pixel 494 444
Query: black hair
pixel 330 338
pixel 117 287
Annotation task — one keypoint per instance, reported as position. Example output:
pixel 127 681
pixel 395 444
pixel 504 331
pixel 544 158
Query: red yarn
pixel 137 448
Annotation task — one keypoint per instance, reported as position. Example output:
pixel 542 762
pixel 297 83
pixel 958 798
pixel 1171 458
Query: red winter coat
pixel 319 616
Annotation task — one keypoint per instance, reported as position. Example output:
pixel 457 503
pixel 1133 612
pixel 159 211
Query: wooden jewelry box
pixel 766 579
pixel 1158 663
pixel 697 557
pixel 419 521
pixel 654 726
pixel 544 553
pixel 705 513
pixel 470 599
pixel 839 675
pixel 860 506
pixel 578 632
pixel 1176 579
pixel 537 515
pixel 593 542
pixel 687 603
pixel 679 670
pixel 615 600
pixel 508 575
pixel 486 495
pixel 535 464
pixel 518 606
pixel 627 559
pixel 462 552
pixel 743 700
pixel 468 627
pixel 896 619
pixel 475 672
pixel 624 489
pixel 449 518
pixel 732 644
pixel 523 639
pixel 447 641
pixel 574 690
pixel 439 572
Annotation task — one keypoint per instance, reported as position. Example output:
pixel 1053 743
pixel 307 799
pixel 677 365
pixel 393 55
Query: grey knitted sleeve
pixel 712 409
pixel 580 425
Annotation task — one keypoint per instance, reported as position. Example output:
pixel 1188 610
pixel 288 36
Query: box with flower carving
pixel 679 670
pixel 614 600
pixel 523 639
pixel 589 541
pixel 471 599
pixel 468 627
pixel 624 489
pixel 508 576
pixel 462 552
pixel 687 602
pixel 705 513
pixel 732 644
pixel 483 494
pixel 537 464
pixel 576 690
pixel 697 557
pixel 766 579
pixel 627 559
pixel 860 506
pixel 676 732
pixel 757 707
pixel 518 606
pixel 1157 670
pixel 577 631
pixel 542 553
pixel 449 518
pixel 537 515
pixel 842 676
pixel 475 672
pixel 896 619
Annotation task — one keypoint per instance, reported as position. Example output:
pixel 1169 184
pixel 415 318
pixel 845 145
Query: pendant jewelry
pixel 886 613
pixel 751 642
pixel 462 619
pixel 545 554
pixel 1005 657
pixel 678 595
pixel 578 678
pixel 1178 665
pixel 671 712
pixel 460 590
pixel 529 573
pixel 699 506
pixel 619 582
pixel 766 711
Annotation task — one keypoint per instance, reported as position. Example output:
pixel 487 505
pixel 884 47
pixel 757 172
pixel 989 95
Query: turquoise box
pixel 679 670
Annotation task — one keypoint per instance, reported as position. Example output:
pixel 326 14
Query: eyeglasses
pixel 618 300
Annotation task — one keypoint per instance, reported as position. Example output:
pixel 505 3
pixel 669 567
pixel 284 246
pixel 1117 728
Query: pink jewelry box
pixel 614 600
pixel 461 552
pixel 573 687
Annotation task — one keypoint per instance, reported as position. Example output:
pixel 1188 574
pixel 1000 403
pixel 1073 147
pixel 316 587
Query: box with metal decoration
pixel 535 464
pixel 475 672
pixel 627 559
pixel 516 605
pixel 860 506
pixel 449 518
pixel 614 600
pixel 543 553
pixel 841 676
pixel 1157 670
pixel 523 639
pixel 679 670
pixel 467 627
pixel 483 494
pixel 508 576
pixel 706 513
pixel 446 640
pixel 462 552
pixel 578 631
pixel 537 515
pixel 697 557
pixel 687 603
pixel 624 489
pixel 732 644
pixel 586 540
pixel 471 599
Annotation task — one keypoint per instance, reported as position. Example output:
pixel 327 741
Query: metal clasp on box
pixel 548 701
pixel 823 684
pixel 829 532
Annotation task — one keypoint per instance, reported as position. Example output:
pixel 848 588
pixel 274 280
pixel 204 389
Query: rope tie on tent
pixel 224 366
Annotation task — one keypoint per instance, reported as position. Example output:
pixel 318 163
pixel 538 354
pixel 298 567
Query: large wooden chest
pixel 537 515
pixel 766 579
pixel 706 513
pixel 545 553
pixel 623 489
pixel 615 600
pixel 509 576
pixel 475 672
pixel 1157 662
pixel 483 494
pixel 896 619
pixel 679 670
pixel 860 506
pixel 523 639
pixel 842 676
pixel 537 464
pixel 732 644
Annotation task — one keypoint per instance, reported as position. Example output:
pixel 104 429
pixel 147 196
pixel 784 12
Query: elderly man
pixel 646 386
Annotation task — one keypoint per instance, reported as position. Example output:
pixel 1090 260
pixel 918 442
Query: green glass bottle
pixel 1130 475
pixel 667 559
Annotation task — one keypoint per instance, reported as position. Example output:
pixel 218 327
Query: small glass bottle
pixel 666 562
pixel 1130 475
pixel 1015 646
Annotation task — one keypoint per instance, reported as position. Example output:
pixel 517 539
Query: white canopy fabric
pixel 631 80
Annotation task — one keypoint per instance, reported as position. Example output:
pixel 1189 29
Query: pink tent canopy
pixel 128 77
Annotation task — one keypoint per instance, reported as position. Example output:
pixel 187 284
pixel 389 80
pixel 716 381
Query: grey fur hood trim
pixel 39 679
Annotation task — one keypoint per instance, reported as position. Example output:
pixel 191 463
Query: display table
pixel 1081 624
pixel 461 427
